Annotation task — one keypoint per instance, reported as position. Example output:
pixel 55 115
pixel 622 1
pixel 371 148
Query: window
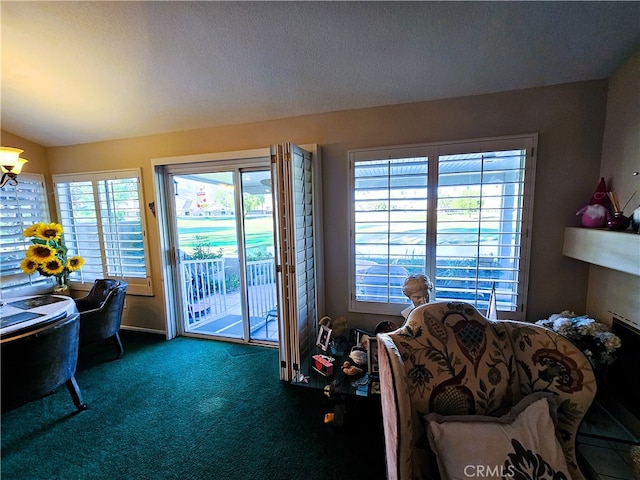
pixel 103 219
pixel 20 207
pixel 459 212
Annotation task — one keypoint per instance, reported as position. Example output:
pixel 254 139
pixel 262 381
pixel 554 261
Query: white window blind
pixel 21 206
pixel 390 226
pixel 304 247
pixel 103 219
pixel 479 229
pixel 457 211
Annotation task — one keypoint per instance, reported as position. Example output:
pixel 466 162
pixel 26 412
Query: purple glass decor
pixel 618 221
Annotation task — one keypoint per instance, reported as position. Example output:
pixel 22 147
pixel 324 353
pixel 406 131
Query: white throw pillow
pixel 480 447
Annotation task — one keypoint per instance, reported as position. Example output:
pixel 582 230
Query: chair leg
pixel 118 342
pixel 74 390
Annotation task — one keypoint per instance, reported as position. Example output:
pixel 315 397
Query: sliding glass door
pixel 241 232
pixel 225 251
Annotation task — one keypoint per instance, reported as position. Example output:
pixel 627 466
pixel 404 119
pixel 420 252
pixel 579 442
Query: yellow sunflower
pixel 31 231
pixel 49 231
pixel 53 266
pixel 28 266
pixel 40 253
pixel 75 263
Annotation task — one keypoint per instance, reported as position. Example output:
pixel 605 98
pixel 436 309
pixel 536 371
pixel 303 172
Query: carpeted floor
pixel 188 409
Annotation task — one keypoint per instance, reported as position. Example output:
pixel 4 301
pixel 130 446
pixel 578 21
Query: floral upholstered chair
pixel 455 385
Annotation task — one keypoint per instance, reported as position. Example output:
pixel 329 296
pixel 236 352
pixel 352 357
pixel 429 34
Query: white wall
pixel 611 292
pixel 569 119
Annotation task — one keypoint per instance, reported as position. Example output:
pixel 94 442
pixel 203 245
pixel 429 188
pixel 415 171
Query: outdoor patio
pixel 211 309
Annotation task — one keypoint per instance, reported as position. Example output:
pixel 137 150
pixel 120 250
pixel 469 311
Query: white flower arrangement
pixel 594 338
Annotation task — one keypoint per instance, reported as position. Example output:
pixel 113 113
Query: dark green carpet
pixel 188 409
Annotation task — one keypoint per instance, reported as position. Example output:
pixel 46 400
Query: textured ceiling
pixel 77 72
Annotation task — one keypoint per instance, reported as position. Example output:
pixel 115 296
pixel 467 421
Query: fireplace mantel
pixel 615 250
pixel 614 272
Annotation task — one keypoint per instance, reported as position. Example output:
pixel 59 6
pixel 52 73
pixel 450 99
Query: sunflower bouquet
pixel 48 254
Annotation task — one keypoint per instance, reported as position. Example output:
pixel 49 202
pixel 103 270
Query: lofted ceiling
pixel 78 72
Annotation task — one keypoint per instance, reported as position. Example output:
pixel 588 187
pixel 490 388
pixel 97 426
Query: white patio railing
pixel 207 298
pixel 205 288
pixel 261 279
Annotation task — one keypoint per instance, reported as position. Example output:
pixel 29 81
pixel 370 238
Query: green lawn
pixel 220 233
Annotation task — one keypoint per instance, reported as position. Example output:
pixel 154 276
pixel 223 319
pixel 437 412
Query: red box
pixel 323 365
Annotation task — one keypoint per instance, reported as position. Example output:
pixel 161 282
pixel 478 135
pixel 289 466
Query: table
pixel 339 386
pixel 21 313
pixel 39 336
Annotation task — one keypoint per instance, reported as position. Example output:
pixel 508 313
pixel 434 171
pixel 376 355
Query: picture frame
pixel 372 356
pixel 324 338
pixel 359 336
pixel 374 387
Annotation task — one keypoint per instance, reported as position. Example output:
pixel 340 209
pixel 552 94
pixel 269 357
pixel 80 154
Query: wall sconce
pixel 11 165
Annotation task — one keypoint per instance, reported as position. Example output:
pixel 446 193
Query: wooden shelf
pixel 616 250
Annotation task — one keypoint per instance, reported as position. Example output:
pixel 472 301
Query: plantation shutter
pixel 304 246
pixel 462 217
pixel 22 206
pixel 102 216
pixel 295 255
pixel 482 194
pixel 390 220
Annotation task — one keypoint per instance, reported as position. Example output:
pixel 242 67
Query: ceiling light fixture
pixel 11 165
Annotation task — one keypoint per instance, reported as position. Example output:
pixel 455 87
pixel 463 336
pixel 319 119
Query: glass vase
pixel 618 221
pixel 62 287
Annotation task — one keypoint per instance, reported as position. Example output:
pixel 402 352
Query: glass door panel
pixel 208 253
pixel 228 285
pixel 257 207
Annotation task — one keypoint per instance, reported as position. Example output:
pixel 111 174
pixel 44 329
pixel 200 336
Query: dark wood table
pixel 338 386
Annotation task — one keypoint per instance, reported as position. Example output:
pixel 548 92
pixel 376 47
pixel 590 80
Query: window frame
pixel 433 151
pixel 136 285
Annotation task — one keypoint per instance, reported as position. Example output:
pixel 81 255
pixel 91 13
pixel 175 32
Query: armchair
pixel 101 313
pixel 38 361
pixel 448 362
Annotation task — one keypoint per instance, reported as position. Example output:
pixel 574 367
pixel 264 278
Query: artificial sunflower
pixel 53 266
pixel 49 231
pixel 75 263
pixel 31 231
pixel 29 266
pixel 41 253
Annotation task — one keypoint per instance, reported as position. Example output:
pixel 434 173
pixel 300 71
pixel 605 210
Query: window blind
pixel 22 206
pixel 102 216
pixel 390 226
pixel 457 211
pixel 479 228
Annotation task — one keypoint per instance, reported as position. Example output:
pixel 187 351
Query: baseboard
pixel 143 330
